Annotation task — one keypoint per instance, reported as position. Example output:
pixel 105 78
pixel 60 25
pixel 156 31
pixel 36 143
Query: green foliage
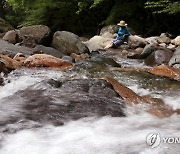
pixel 88 16
pixel 164 6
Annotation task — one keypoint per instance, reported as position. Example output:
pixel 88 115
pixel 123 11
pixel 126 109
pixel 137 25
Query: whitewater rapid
pixel 105 135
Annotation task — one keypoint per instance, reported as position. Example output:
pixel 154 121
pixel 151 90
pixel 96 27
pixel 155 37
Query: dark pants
pixel 117 43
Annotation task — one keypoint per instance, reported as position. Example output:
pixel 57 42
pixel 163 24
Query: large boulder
pixel 148 49
pixel 136 41
pixel 176 41
pixel 112 29
pixel 44 60
pixel 48 50
pixel 4 26
pixel 11 36
pixel 40 33
pixel 61 101
pixel 175 59
pixel 159 57
pixel 109 35
pixel 12 50
pixel 98 42
pixel 67 43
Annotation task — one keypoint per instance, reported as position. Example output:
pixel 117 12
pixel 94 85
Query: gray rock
pixel 148 49
pixel 97 43
pixel 40 33
pixel 159 57
pixel 175 59
pixel 61 101
pixel 12 50
pixel 11 37
pixel 67 43
pixel 112 29
pixel 48 50
pixel 136 41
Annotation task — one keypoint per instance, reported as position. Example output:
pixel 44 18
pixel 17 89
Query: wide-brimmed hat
pixel 122 23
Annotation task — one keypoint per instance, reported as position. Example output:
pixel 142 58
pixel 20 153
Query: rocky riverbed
pixel 72 96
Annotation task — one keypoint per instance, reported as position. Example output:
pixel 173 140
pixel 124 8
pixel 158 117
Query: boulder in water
pixel 166 71
pixel 159 57
pixel 175 59
pixel 44 60
pixel 61 101
pixel 136 41
pixel 49 51
pixel 67 43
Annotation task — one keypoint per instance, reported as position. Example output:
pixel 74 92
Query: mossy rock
pixel 4 26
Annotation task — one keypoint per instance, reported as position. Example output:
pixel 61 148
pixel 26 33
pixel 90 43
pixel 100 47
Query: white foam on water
pixel 26 79
pixel 106 135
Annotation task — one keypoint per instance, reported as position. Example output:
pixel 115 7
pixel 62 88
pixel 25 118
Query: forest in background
pixel 87 17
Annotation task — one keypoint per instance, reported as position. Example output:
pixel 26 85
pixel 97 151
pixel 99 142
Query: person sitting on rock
pixel 122 36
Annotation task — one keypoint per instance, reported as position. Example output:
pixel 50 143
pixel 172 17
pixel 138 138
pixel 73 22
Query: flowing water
pixel 90 135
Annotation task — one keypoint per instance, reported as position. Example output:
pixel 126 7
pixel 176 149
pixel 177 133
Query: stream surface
pixel 91 134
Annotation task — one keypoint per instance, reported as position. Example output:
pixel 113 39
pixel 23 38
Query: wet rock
pixel 159 57
pixel 153 105
pixel 133 55
pixel 136 41
pixel 176 41
pixel 149 48
pixel 166 71
pixel 20 58
pixel 49 51
pixel 127 94
pixel 39 33
pixel 1 81
pixel 175 59
pixel 11 49
pixel 2 68
pixel 97 42
pixel 44 60
pixel 77 57
pixel 10 63
pixel 61 101
pixel 68 59
pixel 11 37
pixel 67 43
